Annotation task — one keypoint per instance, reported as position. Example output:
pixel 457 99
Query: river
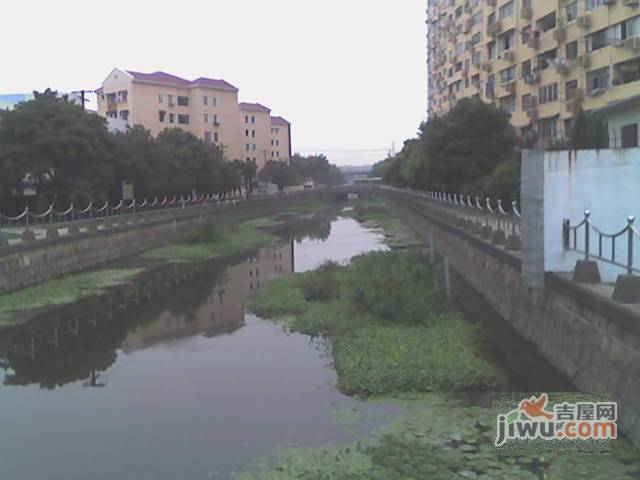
pixel 188 386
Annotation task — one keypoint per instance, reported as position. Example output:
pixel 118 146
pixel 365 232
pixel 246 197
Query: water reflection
pixel 212 303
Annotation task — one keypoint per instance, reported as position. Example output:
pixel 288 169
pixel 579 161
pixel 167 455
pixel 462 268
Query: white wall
pixel 606 182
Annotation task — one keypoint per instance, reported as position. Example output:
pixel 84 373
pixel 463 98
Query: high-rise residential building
pixel 206 107
pixel 542 60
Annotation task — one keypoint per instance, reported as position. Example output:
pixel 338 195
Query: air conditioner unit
pixel 584 21
pixel 632 43
pixel 559 34
pixel 533 41
pixel 486 66
pixel 572 106
pixel 509 56
pixel 532 79
pixel 584 60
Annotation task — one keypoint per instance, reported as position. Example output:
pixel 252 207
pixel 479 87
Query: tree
pixel 467 143
pixel 279 173
pixel 317 168
pixel 67 152
pixel 589 130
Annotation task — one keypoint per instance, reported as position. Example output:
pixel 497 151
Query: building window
pixel 246 133
pixel 215 119
pixel 593 4
pixel 508 74
pixel 183 119
pixel 171 117
pixel 597 40
pixel 206 118
pixel 124 114
pixel 548 128
pixel 253 134
pixel 545 59
pixel 572 11
pixel 183 101
pixel 254 147
pixel 476 18
pixel 491 50
pixel 548 93
pixel 572 50
pixel 629 135
pixel 627 29
pixel 170 100
pixel 214 101
pixel 598 80
pixel 626 72
pixel 161 115
pixel 491 19
pixel 570 89
pixel 216 137
pixel 253 119
pixel 507 10
pixel 476 37
pixel 207 137
pixel 506 41
pixel 277 154
pixel 160 98
pixel 546 23
pixel 246 119
pixel 205 100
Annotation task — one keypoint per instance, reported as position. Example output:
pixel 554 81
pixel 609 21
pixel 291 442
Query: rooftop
pixel 164 78
pixel 254 107
pixel 279 121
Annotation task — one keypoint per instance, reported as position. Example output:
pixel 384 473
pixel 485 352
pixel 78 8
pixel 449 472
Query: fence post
pixel 630 220
pixel 587 214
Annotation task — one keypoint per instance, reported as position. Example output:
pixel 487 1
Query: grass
pixel 62 291
pixel 227 240
pixel 307 206
pixel 384 340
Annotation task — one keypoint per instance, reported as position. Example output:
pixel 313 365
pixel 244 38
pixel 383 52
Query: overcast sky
pixel 349 74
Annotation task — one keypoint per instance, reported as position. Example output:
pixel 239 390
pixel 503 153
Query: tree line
pixel 68 154
pixel 474 150
pixel 301 168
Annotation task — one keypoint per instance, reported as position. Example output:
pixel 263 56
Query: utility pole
pixel 82 97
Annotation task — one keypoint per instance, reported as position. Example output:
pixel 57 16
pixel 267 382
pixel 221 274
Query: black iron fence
pixel 615 248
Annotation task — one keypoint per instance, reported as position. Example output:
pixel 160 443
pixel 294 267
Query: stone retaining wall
pixel 33 262
pixel 593 341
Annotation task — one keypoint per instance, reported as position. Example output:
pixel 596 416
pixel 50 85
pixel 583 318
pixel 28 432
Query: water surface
pixel 187 386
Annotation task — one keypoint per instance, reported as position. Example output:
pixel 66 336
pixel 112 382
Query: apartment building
pixel 206 107
pixel 280 139
pixel 542 60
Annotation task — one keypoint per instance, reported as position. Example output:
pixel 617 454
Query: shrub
pixel 402 287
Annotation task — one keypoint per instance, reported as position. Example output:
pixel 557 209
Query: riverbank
pixel 408 347
pixel 209 241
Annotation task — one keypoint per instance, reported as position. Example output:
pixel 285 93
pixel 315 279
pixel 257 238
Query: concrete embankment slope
pixel 592 340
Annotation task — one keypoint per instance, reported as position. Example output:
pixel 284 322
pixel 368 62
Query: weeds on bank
pixel 62 291
pixel 212 241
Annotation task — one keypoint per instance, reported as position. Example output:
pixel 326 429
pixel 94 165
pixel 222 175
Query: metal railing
pixel 28 217
pixel 485 212
pixel 578 238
